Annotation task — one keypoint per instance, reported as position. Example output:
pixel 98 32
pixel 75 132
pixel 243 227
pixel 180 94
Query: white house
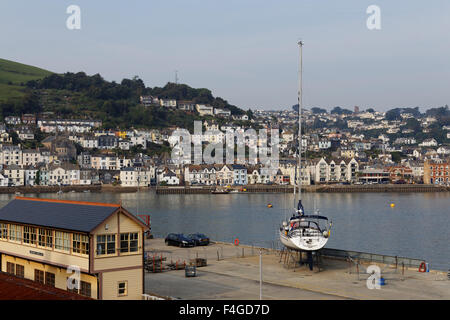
pixel 168 103
pixel 137 176
pixel 204 110
pixel 429 143
pixel 3 180
pixel 168 177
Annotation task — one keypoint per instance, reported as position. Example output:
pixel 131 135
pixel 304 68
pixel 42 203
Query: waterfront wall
pixel 49 189
pixel 314 188
pixel 240 189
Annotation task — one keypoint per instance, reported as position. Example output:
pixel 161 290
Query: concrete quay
pixel 232 272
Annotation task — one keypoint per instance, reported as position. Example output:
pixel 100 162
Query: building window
pixel 85 289
pixel 129 242
pixel 80 243
pixel 3 231
pixel 39 276
pixel 50 279
pixel 45 238
pixel 74 285
pixel 15 232
pixel 62 241
pixel 20 271
pixel 10 268
pixel 29 235
pixel 122 287
pixel 106 244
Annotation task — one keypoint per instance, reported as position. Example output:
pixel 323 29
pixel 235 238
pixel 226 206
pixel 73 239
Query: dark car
pixel 178 239
pixel 199 239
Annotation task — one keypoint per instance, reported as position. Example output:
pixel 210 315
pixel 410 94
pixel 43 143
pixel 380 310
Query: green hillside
pixel 27 89
pixel 13 77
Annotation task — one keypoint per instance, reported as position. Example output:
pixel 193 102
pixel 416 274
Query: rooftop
pixel 63 214
pixel 15 288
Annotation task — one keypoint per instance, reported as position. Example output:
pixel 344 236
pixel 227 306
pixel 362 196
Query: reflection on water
pixel 417 227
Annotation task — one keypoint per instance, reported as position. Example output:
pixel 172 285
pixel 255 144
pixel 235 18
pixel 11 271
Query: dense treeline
pixel 116 104
pixel 28 104
pixel 96 87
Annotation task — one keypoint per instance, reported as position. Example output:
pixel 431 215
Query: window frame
pixel 126 244
pixel 39 276
pixel 15 233
pixel 21 273
pixel 125 292
pixel 80 244
pixel 107 240
pixel 29 236
pixel 4 231
pixel 52 281
pixel 85 289
pixel 64 245
pixel 10 268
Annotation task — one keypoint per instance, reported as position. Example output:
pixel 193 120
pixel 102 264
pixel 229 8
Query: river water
pixel 417 227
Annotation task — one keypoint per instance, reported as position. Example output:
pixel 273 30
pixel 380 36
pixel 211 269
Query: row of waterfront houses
pixel 127 173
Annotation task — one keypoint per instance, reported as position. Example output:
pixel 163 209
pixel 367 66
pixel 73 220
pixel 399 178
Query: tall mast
pixel 300 108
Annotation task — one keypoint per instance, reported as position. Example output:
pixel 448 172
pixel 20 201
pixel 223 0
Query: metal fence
pixel 371 257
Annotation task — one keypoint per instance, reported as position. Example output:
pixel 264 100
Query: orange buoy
pixel 236 242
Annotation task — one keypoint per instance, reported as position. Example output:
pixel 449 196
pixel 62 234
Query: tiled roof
pixel 14 288
pixel 62 214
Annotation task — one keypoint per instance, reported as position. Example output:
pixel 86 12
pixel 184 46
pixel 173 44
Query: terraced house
pixel 49 241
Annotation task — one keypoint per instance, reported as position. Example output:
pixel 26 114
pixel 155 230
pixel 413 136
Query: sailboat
pixel 303 232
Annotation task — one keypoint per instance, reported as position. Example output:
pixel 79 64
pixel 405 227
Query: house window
pixel 29 235
pixel 62 241
pixel 129 242
pixel 80 243
pixel 122 288
pixel 20 271
pixel 50 279
pixel 15 232
pixel 45 238
pixel 10 268
pixel 39 276
pixel 106 244
pixel 85 288
pixel 3 231
pixel 74 285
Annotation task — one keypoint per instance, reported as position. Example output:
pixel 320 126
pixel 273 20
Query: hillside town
pixel 361 147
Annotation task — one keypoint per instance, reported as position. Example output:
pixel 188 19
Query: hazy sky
pixel 245 50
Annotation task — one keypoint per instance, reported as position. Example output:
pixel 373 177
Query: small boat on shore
pixel 219 191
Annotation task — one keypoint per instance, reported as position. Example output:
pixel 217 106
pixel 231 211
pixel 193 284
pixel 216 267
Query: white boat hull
pixel 305 243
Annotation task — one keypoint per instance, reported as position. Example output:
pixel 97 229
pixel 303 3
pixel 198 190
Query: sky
pixel 245 51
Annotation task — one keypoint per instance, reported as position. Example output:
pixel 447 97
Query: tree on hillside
pixel 316 110
pixel 339 110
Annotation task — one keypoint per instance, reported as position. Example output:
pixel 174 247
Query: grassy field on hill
pixel 13 75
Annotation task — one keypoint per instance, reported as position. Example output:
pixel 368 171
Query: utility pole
pixel 260 274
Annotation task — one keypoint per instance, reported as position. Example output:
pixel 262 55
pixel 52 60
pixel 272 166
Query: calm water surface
pixel 417 227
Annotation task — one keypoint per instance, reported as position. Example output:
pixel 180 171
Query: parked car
pixel 199 239
pixel 178 239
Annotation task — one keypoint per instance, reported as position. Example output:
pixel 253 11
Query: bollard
pixel 357 270
pixel 242 252
pixel 218 257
